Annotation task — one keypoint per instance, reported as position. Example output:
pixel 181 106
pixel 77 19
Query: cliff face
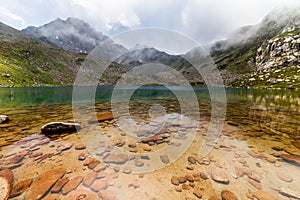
pixel 279 52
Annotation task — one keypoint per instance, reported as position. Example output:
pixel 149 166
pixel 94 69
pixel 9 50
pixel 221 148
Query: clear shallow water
pixel 264 119
pixel 30 107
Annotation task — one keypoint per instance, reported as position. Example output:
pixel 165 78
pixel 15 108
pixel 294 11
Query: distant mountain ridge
pixel 254 56
pixel 74 35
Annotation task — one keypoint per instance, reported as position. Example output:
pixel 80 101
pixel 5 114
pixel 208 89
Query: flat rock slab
pixel 115 158
pixel 43 183
pixel 219 176
pixel 228 195
pixel 261 195
pixel 71 185
pixel 291 158
pixel 107 195
pixel 4 188
pixel 81 194
pixel 60 127
pixel 20 187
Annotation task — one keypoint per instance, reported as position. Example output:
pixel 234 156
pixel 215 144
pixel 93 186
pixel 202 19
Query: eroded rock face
pixel 279 52
pixel 43 183
pixel 60 127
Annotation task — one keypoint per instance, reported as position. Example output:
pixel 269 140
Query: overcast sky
pixel 203 20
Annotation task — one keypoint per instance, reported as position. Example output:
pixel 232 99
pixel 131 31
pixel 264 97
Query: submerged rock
pixel 60 127
pixel 107 195
pixel 81 194
pixel 291 158
pixel 289 192
pixel 71 185
pixel 43 183
pixel 115 158
pixel 20 187
pixel 4 189
pixel 227 195
pixel 101 117
pixel 3 119
pixel 219 176
pixel 261 195
pixel 6 182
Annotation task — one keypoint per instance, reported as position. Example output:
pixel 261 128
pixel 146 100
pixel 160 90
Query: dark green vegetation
pixel 26 61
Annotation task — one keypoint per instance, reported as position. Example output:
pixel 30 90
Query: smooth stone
pixel 185 186
pixel 165 159
pixel 99 185
pixel 190 178
pixel 64 147
pixel 228 195
pixel 198 194
pixel 191 159
pixel 3 119
pixel 59 184
pixel 107 195
pixel 255 184
pixel 100 167
pixel 139 163
pixel 89 178
pixel 284 177
pixel 115 158
pixel 203 176
pixel 126 170
pixel 93 164
pixel 20 188
pixel 81 195
pixel 43 183
pixel 131 144
pixel 182 179
pixel 71 185
pixel 174 180
pixel 219 176
pixel 79 146
pixel 60 127
pixel 262 195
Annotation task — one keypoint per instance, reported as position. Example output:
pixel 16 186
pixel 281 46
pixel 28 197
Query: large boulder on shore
pixel 60 127
pixel 3 119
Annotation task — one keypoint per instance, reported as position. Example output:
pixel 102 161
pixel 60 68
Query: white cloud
pixel 203 20
pixel 7 15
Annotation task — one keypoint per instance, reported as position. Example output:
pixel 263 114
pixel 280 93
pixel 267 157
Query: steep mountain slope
pixel 74 35
pixel 27 61
pixel 236 57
